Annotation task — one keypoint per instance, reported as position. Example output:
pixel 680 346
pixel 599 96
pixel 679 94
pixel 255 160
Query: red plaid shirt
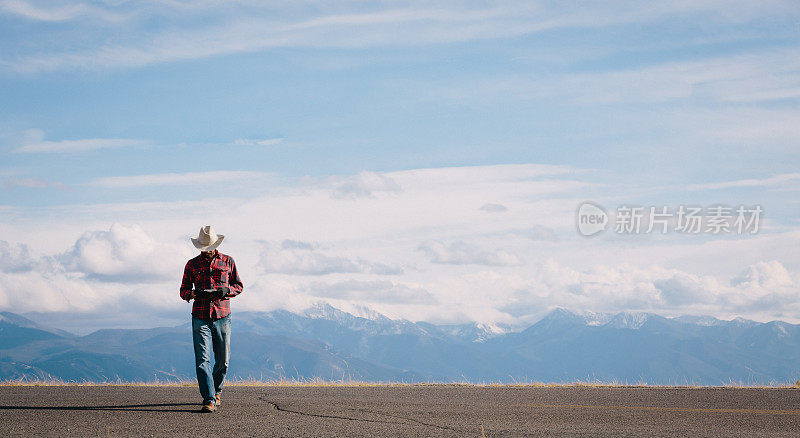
pixel 209 273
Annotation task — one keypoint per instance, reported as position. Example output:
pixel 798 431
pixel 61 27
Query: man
pixel 211 280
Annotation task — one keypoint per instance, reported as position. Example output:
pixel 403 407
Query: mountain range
pixel 328 343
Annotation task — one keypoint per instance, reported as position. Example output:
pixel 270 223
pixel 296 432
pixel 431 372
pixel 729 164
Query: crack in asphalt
pixel 338 417
pixel 406 418
pixel 309 414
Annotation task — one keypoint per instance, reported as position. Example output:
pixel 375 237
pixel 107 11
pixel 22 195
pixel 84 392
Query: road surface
pixel 416 410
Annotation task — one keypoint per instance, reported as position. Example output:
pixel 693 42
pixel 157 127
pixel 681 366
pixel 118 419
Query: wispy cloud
pixel 242 28
pixel 31 11
pixel 462 253
pixel 68 146
pixel 31 183
pixel 177 179
pixel 258 142
pixel 376 291
pixel 493 208
pixel 365 185
pixel 33 142
pixel 294 257
pixel 760 76
pixel 772 181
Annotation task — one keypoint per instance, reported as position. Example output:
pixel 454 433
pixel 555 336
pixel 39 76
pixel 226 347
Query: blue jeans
pixel 211 335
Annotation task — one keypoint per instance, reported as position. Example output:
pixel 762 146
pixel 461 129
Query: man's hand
pixel 212 294
pixel 221 292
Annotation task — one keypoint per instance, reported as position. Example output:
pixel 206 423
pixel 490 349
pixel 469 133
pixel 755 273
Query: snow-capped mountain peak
pixel 365 312
pixel 702 320
pixel 323 310
pixel 595 318
pixel 629 320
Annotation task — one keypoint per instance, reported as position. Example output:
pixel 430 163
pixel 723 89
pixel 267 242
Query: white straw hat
pixel 207 239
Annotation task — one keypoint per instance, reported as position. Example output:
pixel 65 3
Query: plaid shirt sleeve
pixel 188 282
pixel 234 282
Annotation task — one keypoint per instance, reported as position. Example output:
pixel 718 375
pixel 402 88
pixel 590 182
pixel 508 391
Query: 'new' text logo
pixel 590 218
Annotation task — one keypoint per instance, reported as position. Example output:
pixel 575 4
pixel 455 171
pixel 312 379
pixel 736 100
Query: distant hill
pixel 328 343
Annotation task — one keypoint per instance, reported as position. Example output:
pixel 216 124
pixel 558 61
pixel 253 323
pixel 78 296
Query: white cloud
pixel 765 288
pixel 296 244
pixel 35 291
pixel 462 253
pixel 124 254
pixel 382 291
pixel 364 185
pixel 784 179
pixel 686 289
pixel 536 232
pixel 120 270
pixel 31 183
pixel 89 144
pixel 481 175
pixel 177 179
pixel 15 257
pixel 258 142
pixel 210 29
pixel 470 265
pixel 34 143
pixel 767 275
pixel 303 258
pixel 304 262
pixel 30 11
pixel 50 290
pixel 762 75
pixel 433 203
pixel 493 208
pixel 759 76
pixel 748 127
pixel 67 11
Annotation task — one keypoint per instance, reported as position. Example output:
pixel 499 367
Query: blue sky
pixel 361 121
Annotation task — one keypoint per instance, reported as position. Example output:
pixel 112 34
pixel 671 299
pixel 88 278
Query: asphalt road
pixel 418 411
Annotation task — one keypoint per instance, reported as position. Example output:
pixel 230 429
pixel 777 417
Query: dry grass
pixel 312 382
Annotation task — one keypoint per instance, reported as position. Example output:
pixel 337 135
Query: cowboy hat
pixel 207 239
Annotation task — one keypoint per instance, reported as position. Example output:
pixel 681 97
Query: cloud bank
pixel 425 252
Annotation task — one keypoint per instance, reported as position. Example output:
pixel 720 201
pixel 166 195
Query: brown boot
pixel 219 397
pixel 208 407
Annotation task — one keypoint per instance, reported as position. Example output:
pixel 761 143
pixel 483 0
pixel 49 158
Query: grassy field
pixel 323 382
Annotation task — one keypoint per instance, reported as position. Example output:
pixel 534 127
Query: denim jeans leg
pixel 222 350
pixel 201 335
